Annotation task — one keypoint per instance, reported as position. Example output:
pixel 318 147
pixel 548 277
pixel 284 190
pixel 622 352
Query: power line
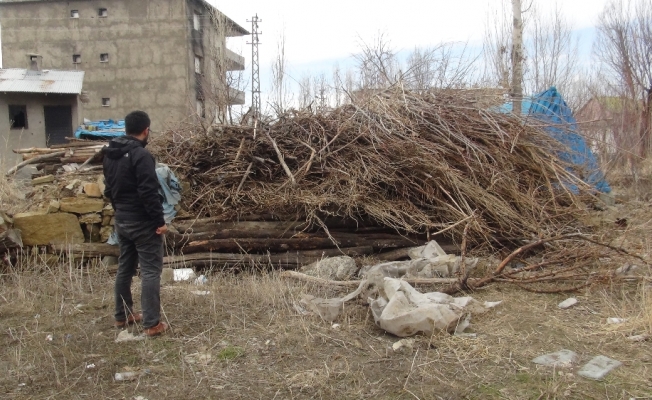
pixel 255 66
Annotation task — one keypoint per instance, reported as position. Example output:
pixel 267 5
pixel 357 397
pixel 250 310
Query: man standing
pixel 132 186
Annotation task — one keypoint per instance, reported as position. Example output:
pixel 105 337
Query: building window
pixel 197 65
pixel 200 108
pixel 106 102
pixel 18 117
pixel 103 12
pixel 76 58
pixel 196 21
pixel 104 57
pixel 74 13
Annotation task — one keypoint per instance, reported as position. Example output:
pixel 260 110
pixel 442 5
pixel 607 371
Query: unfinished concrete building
pixel 166 57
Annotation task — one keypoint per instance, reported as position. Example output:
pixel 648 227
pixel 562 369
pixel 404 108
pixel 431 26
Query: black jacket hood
pixel 120 146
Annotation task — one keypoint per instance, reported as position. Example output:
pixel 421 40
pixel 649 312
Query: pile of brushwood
pixel 407 162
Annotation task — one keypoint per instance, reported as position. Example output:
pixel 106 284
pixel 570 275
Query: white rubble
pixel 568 303
pixel 429 261
pixel 598 367
pixel 560 359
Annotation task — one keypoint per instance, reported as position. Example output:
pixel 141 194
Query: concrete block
pixel 92 190
pixel 42 229
pixel 560 359
pixel 599 367
pixel 105 233
pixel 81 205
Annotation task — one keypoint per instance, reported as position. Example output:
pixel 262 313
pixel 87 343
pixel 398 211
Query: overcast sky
pixel 320 33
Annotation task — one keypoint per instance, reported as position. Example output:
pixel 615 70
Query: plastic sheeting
pixel 550 108
pixel 104 129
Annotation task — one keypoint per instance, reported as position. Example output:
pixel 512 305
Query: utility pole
pixel 255 67
pixel 517 58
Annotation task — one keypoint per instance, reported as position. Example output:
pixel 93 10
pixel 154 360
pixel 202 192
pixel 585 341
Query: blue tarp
pixel 105 129
pixel 550 108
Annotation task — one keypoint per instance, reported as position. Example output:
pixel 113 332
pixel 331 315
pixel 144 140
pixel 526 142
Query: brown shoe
pixel 156 330
pixel 131 319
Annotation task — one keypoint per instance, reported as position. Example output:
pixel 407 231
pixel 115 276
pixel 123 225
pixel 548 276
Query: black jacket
pixel 131 181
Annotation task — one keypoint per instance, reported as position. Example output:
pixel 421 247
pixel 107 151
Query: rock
pixel 570 302
pixel 598 367
pixel 43 179
pixel 53 207
pixel 615 321
pixel 42 229
pixel 560 359
pixel 105 233
pixel 106 220
pixel 100 183
pixel 108 210
pixel 92 190
pixel 334 268
pixel 91 218
pixel 81 205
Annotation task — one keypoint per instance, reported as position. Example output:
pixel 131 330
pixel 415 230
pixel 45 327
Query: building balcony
pixel 236 96
pixel 234 61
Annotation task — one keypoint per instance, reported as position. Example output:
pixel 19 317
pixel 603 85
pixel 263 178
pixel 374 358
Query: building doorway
pixel 58 124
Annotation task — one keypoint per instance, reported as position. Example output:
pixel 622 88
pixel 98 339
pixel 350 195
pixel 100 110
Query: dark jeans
pixel 139 244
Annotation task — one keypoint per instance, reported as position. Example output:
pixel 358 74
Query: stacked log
pixel 52 158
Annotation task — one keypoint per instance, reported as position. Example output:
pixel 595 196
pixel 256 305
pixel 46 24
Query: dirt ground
pixel 246 339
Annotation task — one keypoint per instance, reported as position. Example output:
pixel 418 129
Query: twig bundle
pixel 414 163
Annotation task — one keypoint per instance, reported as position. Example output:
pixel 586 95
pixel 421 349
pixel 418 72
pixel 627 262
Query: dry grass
pixel 246 340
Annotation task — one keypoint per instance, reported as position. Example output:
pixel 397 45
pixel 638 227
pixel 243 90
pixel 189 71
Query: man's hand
pixel 162 230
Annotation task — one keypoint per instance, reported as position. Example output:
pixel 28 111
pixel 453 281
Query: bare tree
pixel 497 47
pixel 377 64
pixel 624 46
pixel 280 98
pixel 517 57
pixel 552 52
pixel 305 91
pixel 444 66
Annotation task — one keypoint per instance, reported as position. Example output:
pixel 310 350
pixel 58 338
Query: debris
pixel 561 359
pixel 126 376
pixel 629 270
pixel 198 358
pixel 429 261
pixel 200 292
pixel 201 280
pixel 49 338
pixel 403 311
pixel 638 338
pixel 90 366
pixel 184 274
pixel 335 268
pixel 568 303
pixel 615 321
pixel 403 344
pixel 329 309
pixel 126 336
pixel 336 326
pixel 598 367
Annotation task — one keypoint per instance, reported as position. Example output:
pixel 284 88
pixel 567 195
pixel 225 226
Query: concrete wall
pixel 147 42
pixel 34 135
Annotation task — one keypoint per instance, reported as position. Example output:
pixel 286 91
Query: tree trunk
pixel 517 58
pixel 282 245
